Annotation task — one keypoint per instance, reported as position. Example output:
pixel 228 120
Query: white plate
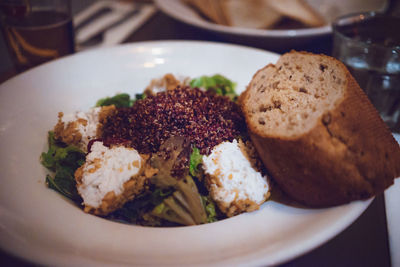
pixel 40 225
pixel 328 9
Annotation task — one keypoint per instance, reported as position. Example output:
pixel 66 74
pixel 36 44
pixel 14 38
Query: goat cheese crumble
pixel 232 180
pixel 106 170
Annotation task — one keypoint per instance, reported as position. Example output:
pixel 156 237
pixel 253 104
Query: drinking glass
pixel 36 31
pixel 369 45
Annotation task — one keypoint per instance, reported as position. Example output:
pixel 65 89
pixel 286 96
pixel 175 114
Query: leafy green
pixel 209 206
pixel 134 211
pixel 159 208
pixel 216 83
pixel 63 160
pixel 140 96
pixel 195 160
pixel 119 101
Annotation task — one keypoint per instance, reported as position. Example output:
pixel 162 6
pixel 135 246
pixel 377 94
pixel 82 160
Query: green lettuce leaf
pixel 135 211
pixel 209 206
pixel 195 160
pixel 62 160
pixel 140 96
pixel 119 101
pixel 216 83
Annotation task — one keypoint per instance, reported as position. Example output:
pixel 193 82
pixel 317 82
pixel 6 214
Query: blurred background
pixel 282 26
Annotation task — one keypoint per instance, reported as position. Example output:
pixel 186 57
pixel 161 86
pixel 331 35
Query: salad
pixel 176 154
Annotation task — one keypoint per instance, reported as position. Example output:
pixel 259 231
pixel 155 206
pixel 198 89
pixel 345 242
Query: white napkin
pixel 118 33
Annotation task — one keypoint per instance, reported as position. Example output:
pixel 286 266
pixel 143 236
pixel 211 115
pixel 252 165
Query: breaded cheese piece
pixel 233 183
pixel 80 127
pixel 110 177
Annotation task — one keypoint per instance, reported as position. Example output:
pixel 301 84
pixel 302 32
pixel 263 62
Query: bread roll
pixel 317 133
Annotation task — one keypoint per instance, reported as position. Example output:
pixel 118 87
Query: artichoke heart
pixel 184 206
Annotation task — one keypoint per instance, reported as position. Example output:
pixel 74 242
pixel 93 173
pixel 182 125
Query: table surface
pixel 364 243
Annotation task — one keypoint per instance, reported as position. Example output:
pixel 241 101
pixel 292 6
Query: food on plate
pixel 167 82
pixel 205 118
pixel 233 182
pixel 317 133
pixel 110 177
pixel 259 14
pixel 81 127
pixel 191 151
pixel 178 154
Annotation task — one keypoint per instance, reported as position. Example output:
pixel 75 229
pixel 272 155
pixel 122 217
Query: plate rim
pixel 145 43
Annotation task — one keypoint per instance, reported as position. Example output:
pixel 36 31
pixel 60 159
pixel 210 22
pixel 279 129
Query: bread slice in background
pixel 317 133
pixel 216 7
pixel 258 14
pixel 249 13
pixel 298 10
pixel 210 9
pixel 237 13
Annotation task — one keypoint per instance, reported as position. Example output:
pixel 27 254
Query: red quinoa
pixel 205 118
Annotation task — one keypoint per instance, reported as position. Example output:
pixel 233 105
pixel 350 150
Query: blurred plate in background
pixel 328 9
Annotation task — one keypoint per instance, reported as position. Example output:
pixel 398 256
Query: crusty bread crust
pixel 349 153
